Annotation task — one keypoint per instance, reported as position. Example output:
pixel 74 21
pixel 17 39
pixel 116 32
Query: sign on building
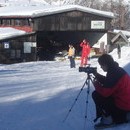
pixel 6 45
pixel 28 45
pixel 97 24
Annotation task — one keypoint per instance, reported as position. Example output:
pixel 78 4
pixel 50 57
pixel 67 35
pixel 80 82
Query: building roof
pixel 120 34
pixel 125 32
pixel 8 32
pixel 44 10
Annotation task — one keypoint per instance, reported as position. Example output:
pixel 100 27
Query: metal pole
pixel 87 101
pixel 74 102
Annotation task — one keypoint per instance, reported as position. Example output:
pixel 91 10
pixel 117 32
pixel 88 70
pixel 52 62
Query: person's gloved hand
pixel 96 83
pixel 94 72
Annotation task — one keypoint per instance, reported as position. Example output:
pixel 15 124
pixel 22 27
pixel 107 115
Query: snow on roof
pixel 9 32
pixel 22 2
pixel 42 10
pixel 118 35
pixel 129 39
pixel 103 39
pixel 126 33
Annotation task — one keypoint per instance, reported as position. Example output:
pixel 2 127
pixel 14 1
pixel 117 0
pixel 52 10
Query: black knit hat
pixel 106 59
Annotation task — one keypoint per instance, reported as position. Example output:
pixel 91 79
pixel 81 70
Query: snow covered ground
pixel 39 95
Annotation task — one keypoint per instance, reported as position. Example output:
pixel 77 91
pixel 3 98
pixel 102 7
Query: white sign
pixel 27 47
pixel 6 45
pixel 97 24
pixel 34 44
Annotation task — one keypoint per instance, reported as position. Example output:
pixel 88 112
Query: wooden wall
pixel 70 21
pixel 14 52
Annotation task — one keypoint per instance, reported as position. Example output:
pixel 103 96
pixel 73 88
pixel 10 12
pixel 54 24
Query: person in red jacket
pixel 112 92
pixel 85 52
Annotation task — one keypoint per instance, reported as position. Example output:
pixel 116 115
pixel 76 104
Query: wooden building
pixel 118 39
pixel 17 47
pixel 56 27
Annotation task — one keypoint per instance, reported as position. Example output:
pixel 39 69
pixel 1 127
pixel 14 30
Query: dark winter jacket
pixel 117 85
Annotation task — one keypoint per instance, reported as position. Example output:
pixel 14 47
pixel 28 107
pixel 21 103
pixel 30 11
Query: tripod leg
pixel 74 102
pixel 87 101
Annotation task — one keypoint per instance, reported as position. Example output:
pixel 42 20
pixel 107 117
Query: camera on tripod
pixel 88 69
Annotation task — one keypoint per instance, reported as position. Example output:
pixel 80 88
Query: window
pixel 12 54
pixel 17 22
pixel 18 53
pixel 15 54
pixel 8 22
pixel 25 22
pixel 1 22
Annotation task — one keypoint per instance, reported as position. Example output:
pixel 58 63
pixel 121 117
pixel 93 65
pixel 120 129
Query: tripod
pixel 87 82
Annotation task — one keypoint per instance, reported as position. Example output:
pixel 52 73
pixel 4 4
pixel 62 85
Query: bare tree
pixel 120 10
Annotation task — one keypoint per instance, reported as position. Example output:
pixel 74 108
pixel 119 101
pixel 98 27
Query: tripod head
pixel 88 69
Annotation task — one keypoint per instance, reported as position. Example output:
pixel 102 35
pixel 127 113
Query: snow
pixel 22 2
pixel 8 32
pixel 102 39
pixel 126 33
pixel 43 10
pixel 38 95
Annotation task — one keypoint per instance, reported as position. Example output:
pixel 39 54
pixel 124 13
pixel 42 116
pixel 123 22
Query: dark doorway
pixel 50 43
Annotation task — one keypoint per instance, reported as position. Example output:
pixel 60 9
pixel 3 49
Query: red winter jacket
pixel 85 49
pixel 117 85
